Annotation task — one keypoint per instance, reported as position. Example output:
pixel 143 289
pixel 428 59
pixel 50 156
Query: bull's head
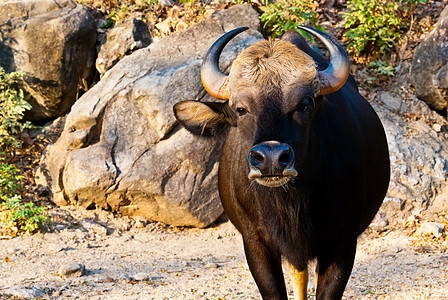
pixel 273 92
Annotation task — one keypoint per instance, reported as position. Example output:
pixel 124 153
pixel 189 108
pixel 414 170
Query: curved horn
pixel 332 78
pixel 214 82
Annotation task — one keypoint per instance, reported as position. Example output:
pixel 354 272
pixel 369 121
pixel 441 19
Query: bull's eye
pixel 241 111
pixel 307 105
pixel 304 108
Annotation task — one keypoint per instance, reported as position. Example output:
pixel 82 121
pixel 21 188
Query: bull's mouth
pixel 273 180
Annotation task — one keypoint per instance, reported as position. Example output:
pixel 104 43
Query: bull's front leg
pixel 266 268
pixel 333 272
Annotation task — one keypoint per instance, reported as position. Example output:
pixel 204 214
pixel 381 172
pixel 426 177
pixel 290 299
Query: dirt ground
pixel 136 259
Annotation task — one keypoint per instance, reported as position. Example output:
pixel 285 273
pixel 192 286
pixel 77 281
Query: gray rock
pixel 25 292
pixel 380 221
pixel 430 64
pixel 394 203
pixel 123 39
pixel 141 277
pixel 56 247
pixel 431 228
pixel 54 43
pixel 139 223
pixel 418 154
pixel 437 127
pixel 440 203
pixel 71 269
pixel 60 227
pixel 94 227
pixel 124 279
pixel 106 279
pixel 124 225
pixel 123 150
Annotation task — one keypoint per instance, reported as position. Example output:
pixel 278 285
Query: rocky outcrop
pixel 429 73
pixel 418 146
pixel 123 150
pixel 121 40
pixel 53 41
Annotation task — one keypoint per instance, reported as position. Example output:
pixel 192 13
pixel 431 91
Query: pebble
pixel 380 221
pixel 125 226
pixel 25 292
pixel 93 226
pixel 140 224
pixel 56 247
pixel 124 279
pixel 212 266
pixel 72 269
pixel 431 228
pixel 60 227
pixel 437 127
pixel 141 277
pixel 394 203
pixel 106 279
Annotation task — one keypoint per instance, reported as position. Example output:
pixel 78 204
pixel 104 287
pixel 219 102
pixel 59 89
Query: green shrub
pixel 374 26
pixel 19 217
pixel 13 104
pixel 279 16
pixel 25 217
pixel 10 181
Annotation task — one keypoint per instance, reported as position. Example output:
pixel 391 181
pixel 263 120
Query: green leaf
pixel 13 104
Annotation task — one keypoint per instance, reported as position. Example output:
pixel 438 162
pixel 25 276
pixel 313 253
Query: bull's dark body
pixel 342 161
pixel 320 215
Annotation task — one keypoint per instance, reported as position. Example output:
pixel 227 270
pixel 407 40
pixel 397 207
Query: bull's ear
pixel 205 118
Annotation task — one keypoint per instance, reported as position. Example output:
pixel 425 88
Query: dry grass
pixel 162 19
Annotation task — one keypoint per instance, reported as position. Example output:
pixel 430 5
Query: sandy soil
pixel 128 259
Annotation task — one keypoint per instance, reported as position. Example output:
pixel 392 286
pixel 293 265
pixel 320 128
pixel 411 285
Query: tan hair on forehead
pixel 272 63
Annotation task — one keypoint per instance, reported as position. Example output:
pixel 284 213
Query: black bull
pixel 302 173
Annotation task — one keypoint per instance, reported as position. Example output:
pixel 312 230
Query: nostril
pixel 285 158
pixel 256 158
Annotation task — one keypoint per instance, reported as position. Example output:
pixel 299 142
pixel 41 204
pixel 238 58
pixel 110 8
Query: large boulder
pixel 418 146
pixel 429 72
pixel 124 38
pixel 122 148
pixel 53 41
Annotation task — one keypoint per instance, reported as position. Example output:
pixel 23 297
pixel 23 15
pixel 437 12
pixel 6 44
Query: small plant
pixel 109 22
pixel 17 216
pixel 382 68
pixel 9 181
pixel 279 16
pixel 375 26
pixel 13 104
pixel 24 217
